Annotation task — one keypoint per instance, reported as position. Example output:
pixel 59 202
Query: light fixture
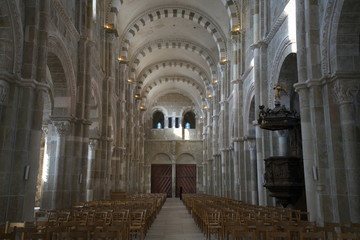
pixel 209 95
pixel 215 80
pixel 130 80
pixel 142 108
pixel 109 26
pixel 205 107
pixel 223 60
pixel 122 59
pixel 137 96
pixel 26 172
pixel 235 30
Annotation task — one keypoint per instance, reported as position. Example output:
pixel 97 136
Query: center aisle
pixel 174 223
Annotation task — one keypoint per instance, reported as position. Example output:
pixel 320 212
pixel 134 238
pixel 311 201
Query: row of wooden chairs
pixel 121 219
pixel 227 218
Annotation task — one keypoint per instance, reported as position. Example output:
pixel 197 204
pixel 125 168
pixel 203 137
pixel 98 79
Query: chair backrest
pixel 277 235
pixel 120 216
pixel 352 236
pixel 72 235
pixel 7 236
pixel 36 235
pixel 108 235
pixel 9 226
pixel 137 217
pixel 312 235
pixel 245 235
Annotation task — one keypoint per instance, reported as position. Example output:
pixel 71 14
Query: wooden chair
pixel 123 232
pixel 120 216
pixel 312 235
pixel 213 225
pixel 236 231
pixel 245 236
pixel 106 235
pixel 261 230
pixel 9 226
pixel 352 236
pixel 73 235
pixel 277 235
pixel 137 224
pixel 7 236
pixel 36 236
pixel 294 231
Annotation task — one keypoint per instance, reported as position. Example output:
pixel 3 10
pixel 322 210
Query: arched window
pixel 189 121
pixel 158 120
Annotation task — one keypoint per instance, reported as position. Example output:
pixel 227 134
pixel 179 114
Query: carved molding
pixel 345 94
pixel 275 28
pixel 280 55
pixel 4 92
pixel 144 19
pixel 326 33
pixel 57 46
pixel 173 43
pixel 45 129
pixel 17 34
pixel 68 23
pixel 62 127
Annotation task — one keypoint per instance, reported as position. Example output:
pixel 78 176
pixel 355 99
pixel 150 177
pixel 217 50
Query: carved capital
pixel 62 127
pixel 4 92
pixel 345 93
pixel 93 142
pixel 251 144
pixel 45 129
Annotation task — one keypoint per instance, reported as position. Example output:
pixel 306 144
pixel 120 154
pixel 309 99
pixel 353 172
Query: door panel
pixel 185 178
pixel 161 178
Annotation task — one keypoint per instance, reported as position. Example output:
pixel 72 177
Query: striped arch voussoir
pixel 180 44
pixel 175 12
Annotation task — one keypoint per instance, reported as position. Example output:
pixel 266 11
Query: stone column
pixel 308 153
pixel 90 173
pixel 4 95
pixel 283 136
pixel 57 168
pixel 346 93
pixel 305 111
pixel 251 143
pixel 237 146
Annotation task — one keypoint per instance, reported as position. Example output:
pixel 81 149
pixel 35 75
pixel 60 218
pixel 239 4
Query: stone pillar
pixel 346 93
pixel 251 143
pixel 4 95
pixel 308 154
pixel 237 159
pixel 57 168
pixel 283 138
pixel 90 173
pixel 305 111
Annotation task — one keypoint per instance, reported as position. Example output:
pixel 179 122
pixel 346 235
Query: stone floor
pixel 174 223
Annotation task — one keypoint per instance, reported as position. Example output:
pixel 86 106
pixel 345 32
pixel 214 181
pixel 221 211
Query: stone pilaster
pixel 346 91
pixel 90 173
pixel 253 185
pixel 308 145
pixel 53 195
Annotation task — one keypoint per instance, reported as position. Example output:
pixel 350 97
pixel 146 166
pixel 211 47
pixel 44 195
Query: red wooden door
pixel 161 178
pixel 185 178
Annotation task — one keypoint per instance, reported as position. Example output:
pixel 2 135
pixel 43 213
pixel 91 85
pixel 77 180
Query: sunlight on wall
pixel 45 170
pixel 178 132
pixel 290 10
pixel 186 134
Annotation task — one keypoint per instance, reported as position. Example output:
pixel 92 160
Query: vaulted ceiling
pixel 173 45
